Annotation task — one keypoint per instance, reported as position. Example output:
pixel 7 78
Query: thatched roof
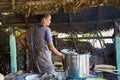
pixel 86 20
pixel 33 7
pixel 87 17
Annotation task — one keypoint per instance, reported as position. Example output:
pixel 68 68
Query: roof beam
pixel 13 4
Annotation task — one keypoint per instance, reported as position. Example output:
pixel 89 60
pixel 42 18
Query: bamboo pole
pixel 117 46
pixel 117 43
pixel 13 4
pixel 13 51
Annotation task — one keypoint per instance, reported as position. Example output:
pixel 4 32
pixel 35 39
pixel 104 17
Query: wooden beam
pixel 61 23
pixel 6 24
pixel 13 4
pixel 104 37
pixel 42 2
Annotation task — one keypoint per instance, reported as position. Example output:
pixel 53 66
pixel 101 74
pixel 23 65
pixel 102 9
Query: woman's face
pixel 47 20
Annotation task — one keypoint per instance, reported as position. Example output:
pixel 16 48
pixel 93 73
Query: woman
pixel 38 40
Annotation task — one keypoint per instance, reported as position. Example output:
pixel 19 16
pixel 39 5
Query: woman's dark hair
pixel 40 17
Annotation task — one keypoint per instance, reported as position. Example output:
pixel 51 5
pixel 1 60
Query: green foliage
pixel 18 31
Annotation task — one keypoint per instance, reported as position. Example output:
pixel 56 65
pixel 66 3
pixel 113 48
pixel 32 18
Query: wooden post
pixel 13 4
pixel 117 43
pixel 13 51
pixel 55 38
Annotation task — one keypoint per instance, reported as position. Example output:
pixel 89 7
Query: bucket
pixel 76 65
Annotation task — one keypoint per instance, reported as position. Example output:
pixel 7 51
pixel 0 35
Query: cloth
pixel 45 33
pixel 21 77
pixel 40 55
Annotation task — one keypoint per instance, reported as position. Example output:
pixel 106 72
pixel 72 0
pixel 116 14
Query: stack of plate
pixel 32 77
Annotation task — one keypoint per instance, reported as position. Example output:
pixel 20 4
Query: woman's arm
pixel 50 44
pixel 22 39
pixel 54 50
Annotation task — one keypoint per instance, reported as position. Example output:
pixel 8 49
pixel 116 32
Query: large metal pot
pixel 76 65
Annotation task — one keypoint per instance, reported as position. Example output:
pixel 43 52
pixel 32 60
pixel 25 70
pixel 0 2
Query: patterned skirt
pixel 41 62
